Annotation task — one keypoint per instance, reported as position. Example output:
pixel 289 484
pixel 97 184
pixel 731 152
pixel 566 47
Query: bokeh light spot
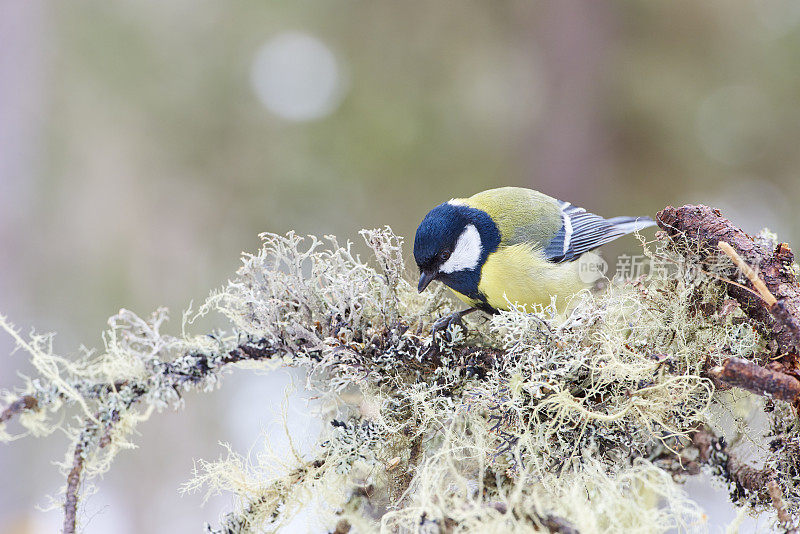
pixel 297 77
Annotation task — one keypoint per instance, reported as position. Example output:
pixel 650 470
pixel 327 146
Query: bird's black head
pixel 451 245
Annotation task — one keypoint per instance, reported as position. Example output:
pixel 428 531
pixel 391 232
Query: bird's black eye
pixel 445 255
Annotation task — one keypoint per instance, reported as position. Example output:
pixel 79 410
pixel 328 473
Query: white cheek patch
pixel 467 252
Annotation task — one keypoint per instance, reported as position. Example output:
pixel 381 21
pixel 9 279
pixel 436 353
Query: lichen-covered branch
pixel 267 504
pixel 745 478
pixel 567 422
pixel 762 484
pixel 702 228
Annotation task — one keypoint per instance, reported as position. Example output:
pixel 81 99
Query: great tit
pixel 511 245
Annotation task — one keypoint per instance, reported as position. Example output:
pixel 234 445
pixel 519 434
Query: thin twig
pixel 752 377
pixel 784 517
pixel 28 402
pixel 73 484
pixel 778 308
pixel 749 272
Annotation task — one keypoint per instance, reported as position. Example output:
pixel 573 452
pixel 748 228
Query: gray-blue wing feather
pixel 582 231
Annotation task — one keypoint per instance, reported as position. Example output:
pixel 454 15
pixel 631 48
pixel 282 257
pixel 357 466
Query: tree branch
pixel 703 228
pixel 72 495
pixel 191 368
pixel 747 480
pixel 761 380
pixel 391 359
pixel 27 402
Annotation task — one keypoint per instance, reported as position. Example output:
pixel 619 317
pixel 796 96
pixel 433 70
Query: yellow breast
pixel 521 275
pixel 470 302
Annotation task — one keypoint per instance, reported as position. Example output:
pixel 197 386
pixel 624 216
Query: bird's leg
pixel 443 323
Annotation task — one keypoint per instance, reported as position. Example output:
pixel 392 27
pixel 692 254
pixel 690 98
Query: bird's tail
pixel 629 225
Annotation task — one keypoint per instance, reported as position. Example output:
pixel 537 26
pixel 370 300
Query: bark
pixel 702 228
pixel 761 380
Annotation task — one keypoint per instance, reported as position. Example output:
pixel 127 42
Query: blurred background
pixel 144 144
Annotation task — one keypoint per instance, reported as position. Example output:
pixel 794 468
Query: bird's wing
pixel 582 231
pixel 561 231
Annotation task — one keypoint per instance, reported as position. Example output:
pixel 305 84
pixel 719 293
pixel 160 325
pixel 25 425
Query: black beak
pixel 425 278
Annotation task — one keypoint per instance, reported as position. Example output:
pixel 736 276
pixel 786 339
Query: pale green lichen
pixel 525 422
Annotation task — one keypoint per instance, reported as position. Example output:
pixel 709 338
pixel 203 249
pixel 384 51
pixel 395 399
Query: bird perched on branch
pixel 511 245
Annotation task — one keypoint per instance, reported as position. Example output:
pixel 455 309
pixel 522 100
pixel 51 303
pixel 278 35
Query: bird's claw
pixel 444 323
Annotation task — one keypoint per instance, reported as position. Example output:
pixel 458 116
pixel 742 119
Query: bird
pixel 510 246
